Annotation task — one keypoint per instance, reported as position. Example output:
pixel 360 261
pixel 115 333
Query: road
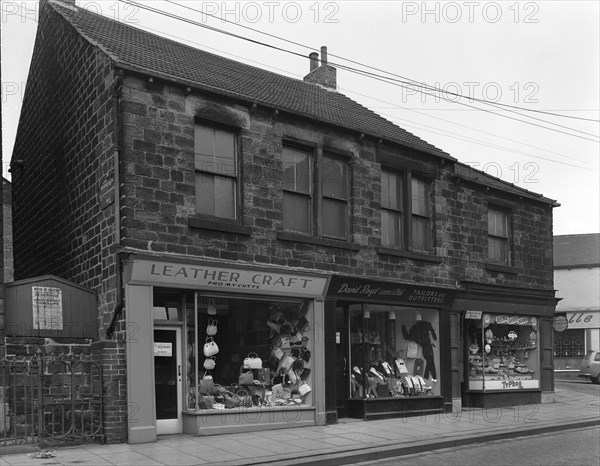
pixel 578 385
pixel 579 447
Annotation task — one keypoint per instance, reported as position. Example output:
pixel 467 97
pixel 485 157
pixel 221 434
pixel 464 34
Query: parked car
pixel 590 366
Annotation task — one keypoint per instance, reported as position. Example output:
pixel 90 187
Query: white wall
pixel 579 288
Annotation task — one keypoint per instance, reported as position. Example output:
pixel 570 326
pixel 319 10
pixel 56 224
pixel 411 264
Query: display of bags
pixel 210 347
pixel 211 328
pixel 253 361
pixel 246 376
pixel 209 363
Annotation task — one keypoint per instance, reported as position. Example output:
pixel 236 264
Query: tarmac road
pixel 579 447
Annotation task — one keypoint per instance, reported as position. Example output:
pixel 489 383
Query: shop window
pixel 300 183
pixel 569 344
pixel 498 236
pixel 166 306
pixel 215 161
pixel 503 352
pixel 394 351
pixel 262 359
pixel 400 205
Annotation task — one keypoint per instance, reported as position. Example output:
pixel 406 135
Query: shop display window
pixel 503 352
pixel 394 351
pixel 248 353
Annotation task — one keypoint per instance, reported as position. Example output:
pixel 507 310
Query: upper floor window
pixel 315 203
pixel 498 236
pixel 334 213
pixel 405 211
pixel 215 162
pixel 392 220
pixel 420 220
pixel 297 190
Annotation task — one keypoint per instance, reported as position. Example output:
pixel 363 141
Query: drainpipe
pixel 116 108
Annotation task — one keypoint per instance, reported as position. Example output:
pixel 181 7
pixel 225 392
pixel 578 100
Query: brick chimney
pixel 325 75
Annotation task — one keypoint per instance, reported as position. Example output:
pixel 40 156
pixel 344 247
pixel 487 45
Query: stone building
pixel 358 270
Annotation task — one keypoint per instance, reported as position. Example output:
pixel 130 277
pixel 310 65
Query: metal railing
pixel 50 399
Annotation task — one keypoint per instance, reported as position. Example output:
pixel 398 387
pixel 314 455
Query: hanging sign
pixel 473 315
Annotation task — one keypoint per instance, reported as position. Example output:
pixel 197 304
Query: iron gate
pixel 50 399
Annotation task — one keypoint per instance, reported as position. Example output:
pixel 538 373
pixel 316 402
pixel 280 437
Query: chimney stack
pixel 324 75
pixel 314 61
pixel 323 55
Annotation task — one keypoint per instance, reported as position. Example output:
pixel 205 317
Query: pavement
pixel 350 441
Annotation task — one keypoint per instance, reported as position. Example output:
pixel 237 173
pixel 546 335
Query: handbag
pixel 278 352
pixel 211 328
pixel 206 384
pixel 264 376
pixel 210 347
pixel 412 350
pixel 286 362
pixel 253 361
pixel 304 388
pixel 209 363
pixel 246 378
pixel 284 342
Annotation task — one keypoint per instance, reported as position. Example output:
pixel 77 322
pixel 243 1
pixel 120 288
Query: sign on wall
pixel 583 319
pixel 211 277
pixel 47 308
pixel 388 292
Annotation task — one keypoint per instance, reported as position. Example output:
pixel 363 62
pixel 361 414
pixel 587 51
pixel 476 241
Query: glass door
pixel 168 379
pixel 341 360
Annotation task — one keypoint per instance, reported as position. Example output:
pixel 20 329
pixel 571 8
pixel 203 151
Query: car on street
pixel 590 366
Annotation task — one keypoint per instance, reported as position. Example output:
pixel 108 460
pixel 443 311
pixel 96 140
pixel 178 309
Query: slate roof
pixel 572 251
pixel 473 175
pixel 134 49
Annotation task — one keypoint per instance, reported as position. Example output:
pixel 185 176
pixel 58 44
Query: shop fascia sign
pixel 387 292
pixel 583 319
pixel 209 277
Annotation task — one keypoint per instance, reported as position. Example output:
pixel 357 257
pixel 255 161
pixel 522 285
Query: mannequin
pixel 419 333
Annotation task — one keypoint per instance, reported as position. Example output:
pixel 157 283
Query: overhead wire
pixel 408 80
pixel 381 78
pixel 412 123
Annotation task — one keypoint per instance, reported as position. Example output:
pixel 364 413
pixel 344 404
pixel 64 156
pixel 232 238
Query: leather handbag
pixel 304 388
pixel 209 363
pixel 253 361
pixel 211 328
pixel 412 350
pixel 286 362
pixel 246 376
pixel 210 347
pixel 206 384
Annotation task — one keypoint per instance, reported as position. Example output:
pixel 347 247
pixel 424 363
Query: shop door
pixel 167 379
pixel 342 360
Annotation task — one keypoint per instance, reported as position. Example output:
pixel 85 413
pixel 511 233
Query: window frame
pixel 507 220
pixel 317 156
pixel 408 214
pixel 225 173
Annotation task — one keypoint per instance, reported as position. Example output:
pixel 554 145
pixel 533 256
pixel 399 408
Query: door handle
pixel 179 370
pixel 344 365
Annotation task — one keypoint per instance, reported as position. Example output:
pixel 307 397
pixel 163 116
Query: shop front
pixel 388 349
pixel 507 345
pixel 216 348
pixel 578 333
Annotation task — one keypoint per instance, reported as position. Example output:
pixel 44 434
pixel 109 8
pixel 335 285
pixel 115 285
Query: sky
pixel 518 92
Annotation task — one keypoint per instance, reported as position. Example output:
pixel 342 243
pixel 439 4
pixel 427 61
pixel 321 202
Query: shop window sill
pixel 329 243
pixel 409 255
pixel 219 225
pixel 501 268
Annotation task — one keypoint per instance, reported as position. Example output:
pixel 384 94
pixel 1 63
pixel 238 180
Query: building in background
pixel 241 226
pixel 577 281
